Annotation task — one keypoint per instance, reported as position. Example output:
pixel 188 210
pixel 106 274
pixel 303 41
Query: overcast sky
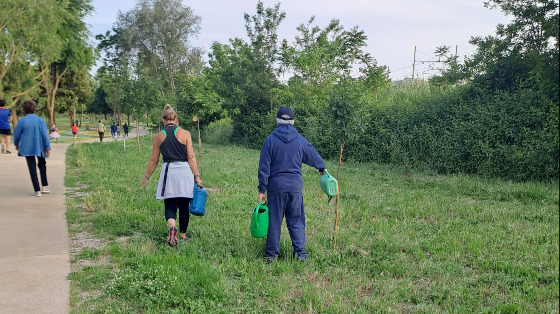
pixel 393 28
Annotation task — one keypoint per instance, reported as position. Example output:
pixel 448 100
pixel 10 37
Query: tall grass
pixel 407 241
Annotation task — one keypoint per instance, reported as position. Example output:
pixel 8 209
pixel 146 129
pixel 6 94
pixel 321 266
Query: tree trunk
pixel 14 117
pixel 81 115
pixel 50 91
pixel 137 136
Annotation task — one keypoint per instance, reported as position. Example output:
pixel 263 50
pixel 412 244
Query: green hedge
pixel 510 135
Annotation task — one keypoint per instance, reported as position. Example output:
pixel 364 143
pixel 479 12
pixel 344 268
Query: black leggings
pixel 171 205
pixel 42 165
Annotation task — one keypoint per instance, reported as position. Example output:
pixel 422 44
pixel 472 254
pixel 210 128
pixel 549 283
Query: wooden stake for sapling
pixel 195 118
pixel 337 194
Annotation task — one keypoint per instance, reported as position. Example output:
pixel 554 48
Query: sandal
pixel 172 236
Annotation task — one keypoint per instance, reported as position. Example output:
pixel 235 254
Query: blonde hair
pixel 168 113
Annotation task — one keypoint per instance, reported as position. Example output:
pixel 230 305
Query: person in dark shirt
pixel 281 159
pixel 178 174
pixel 114 131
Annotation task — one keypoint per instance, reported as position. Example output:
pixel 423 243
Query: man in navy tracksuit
pixel 282 155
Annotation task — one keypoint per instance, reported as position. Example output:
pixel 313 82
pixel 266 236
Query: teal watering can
pixel 259 221
pixel 329 185
pixel 198 202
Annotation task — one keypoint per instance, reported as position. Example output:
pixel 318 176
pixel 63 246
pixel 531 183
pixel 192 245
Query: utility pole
pixel 414 63
pixel 428 61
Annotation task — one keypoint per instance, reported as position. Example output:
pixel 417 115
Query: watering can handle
pixel 257 209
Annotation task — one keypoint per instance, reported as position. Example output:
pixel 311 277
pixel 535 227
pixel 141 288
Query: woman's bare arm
pixel 154 159
pixel 191 157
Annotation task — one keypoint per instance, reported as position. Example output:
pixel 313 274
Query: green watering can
pixel 329 185
pixel 259 221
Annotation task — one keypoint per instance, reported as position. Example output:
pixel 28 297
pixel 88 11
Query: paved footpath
pixel 34 243
pixel 34 251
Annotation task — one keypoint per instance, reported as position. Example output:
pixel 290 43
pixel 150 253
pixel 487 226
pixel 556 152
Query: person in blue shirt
pixel 32 141
pixel 114 131
pixel 5 129
pixel 281 159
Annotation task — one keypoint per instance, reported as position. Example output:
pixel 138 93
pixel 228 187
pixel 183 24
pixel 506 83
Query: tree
pixel 76 53
pixel 319 58
pixel 244 74
pixel 196 96
pixel 99 104
pixel 159 32
pixel 525 49
pixel 29 34
pixel 74 92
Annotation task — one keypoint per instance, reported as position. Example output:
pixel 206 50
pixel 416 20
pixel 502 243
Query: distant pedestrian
pixel 75 130
pixel 5 128
pixel 178 174
pixel 32 141
pixel 100 130
pixel 114 131
pixel 54 132
pixel 282 155
pixel 118 130
pixel 125 129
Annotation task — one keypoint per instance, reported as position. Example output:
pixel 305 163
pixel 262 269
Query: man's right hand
pixel 262 198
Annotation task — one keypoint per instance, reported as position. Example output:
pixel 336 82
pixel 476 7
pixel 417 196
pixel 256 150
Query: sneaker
pixel 46 190
pixel 270 259
pixel 185 239
pixel 7 151
pixel 300 258
pixel 37 193
pixel 172 236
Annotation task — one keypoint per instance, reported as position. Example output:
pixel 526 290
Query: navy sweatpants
pixel 32 166
pixel 290 205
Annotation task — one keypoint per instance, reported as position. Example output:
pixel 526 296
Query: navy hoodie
pixel 282 155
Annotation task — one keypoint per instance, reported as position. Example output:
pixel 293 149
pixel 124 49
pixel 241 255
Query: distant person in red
pixel 75 130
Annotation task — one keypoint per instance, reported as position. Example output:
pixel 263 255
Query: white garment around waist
pixel 180 181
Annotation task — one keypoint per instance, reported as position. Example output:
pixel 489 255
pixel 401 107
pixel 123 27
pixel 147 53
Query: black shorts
pixel 74 133
pixel 6 131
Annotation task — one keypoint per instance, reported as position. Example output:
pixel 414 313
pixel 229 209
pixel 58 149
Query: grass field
pixel 407 242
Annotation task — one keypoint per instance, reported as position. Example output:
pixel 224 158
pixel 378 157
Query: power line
pixel 426 61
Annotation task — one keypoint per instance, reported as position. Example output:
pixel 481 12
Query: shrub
pixel 218 132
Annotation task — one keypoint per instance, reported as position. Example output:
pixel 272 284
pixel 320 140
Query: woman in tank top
pixel 179 172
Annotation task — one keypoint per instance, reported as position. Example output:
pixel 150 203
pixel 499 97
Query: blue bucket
pixel 198 202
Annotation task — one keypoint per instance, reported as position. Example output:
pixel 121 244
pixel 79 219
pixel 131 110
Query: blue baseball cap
pixel 285 113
